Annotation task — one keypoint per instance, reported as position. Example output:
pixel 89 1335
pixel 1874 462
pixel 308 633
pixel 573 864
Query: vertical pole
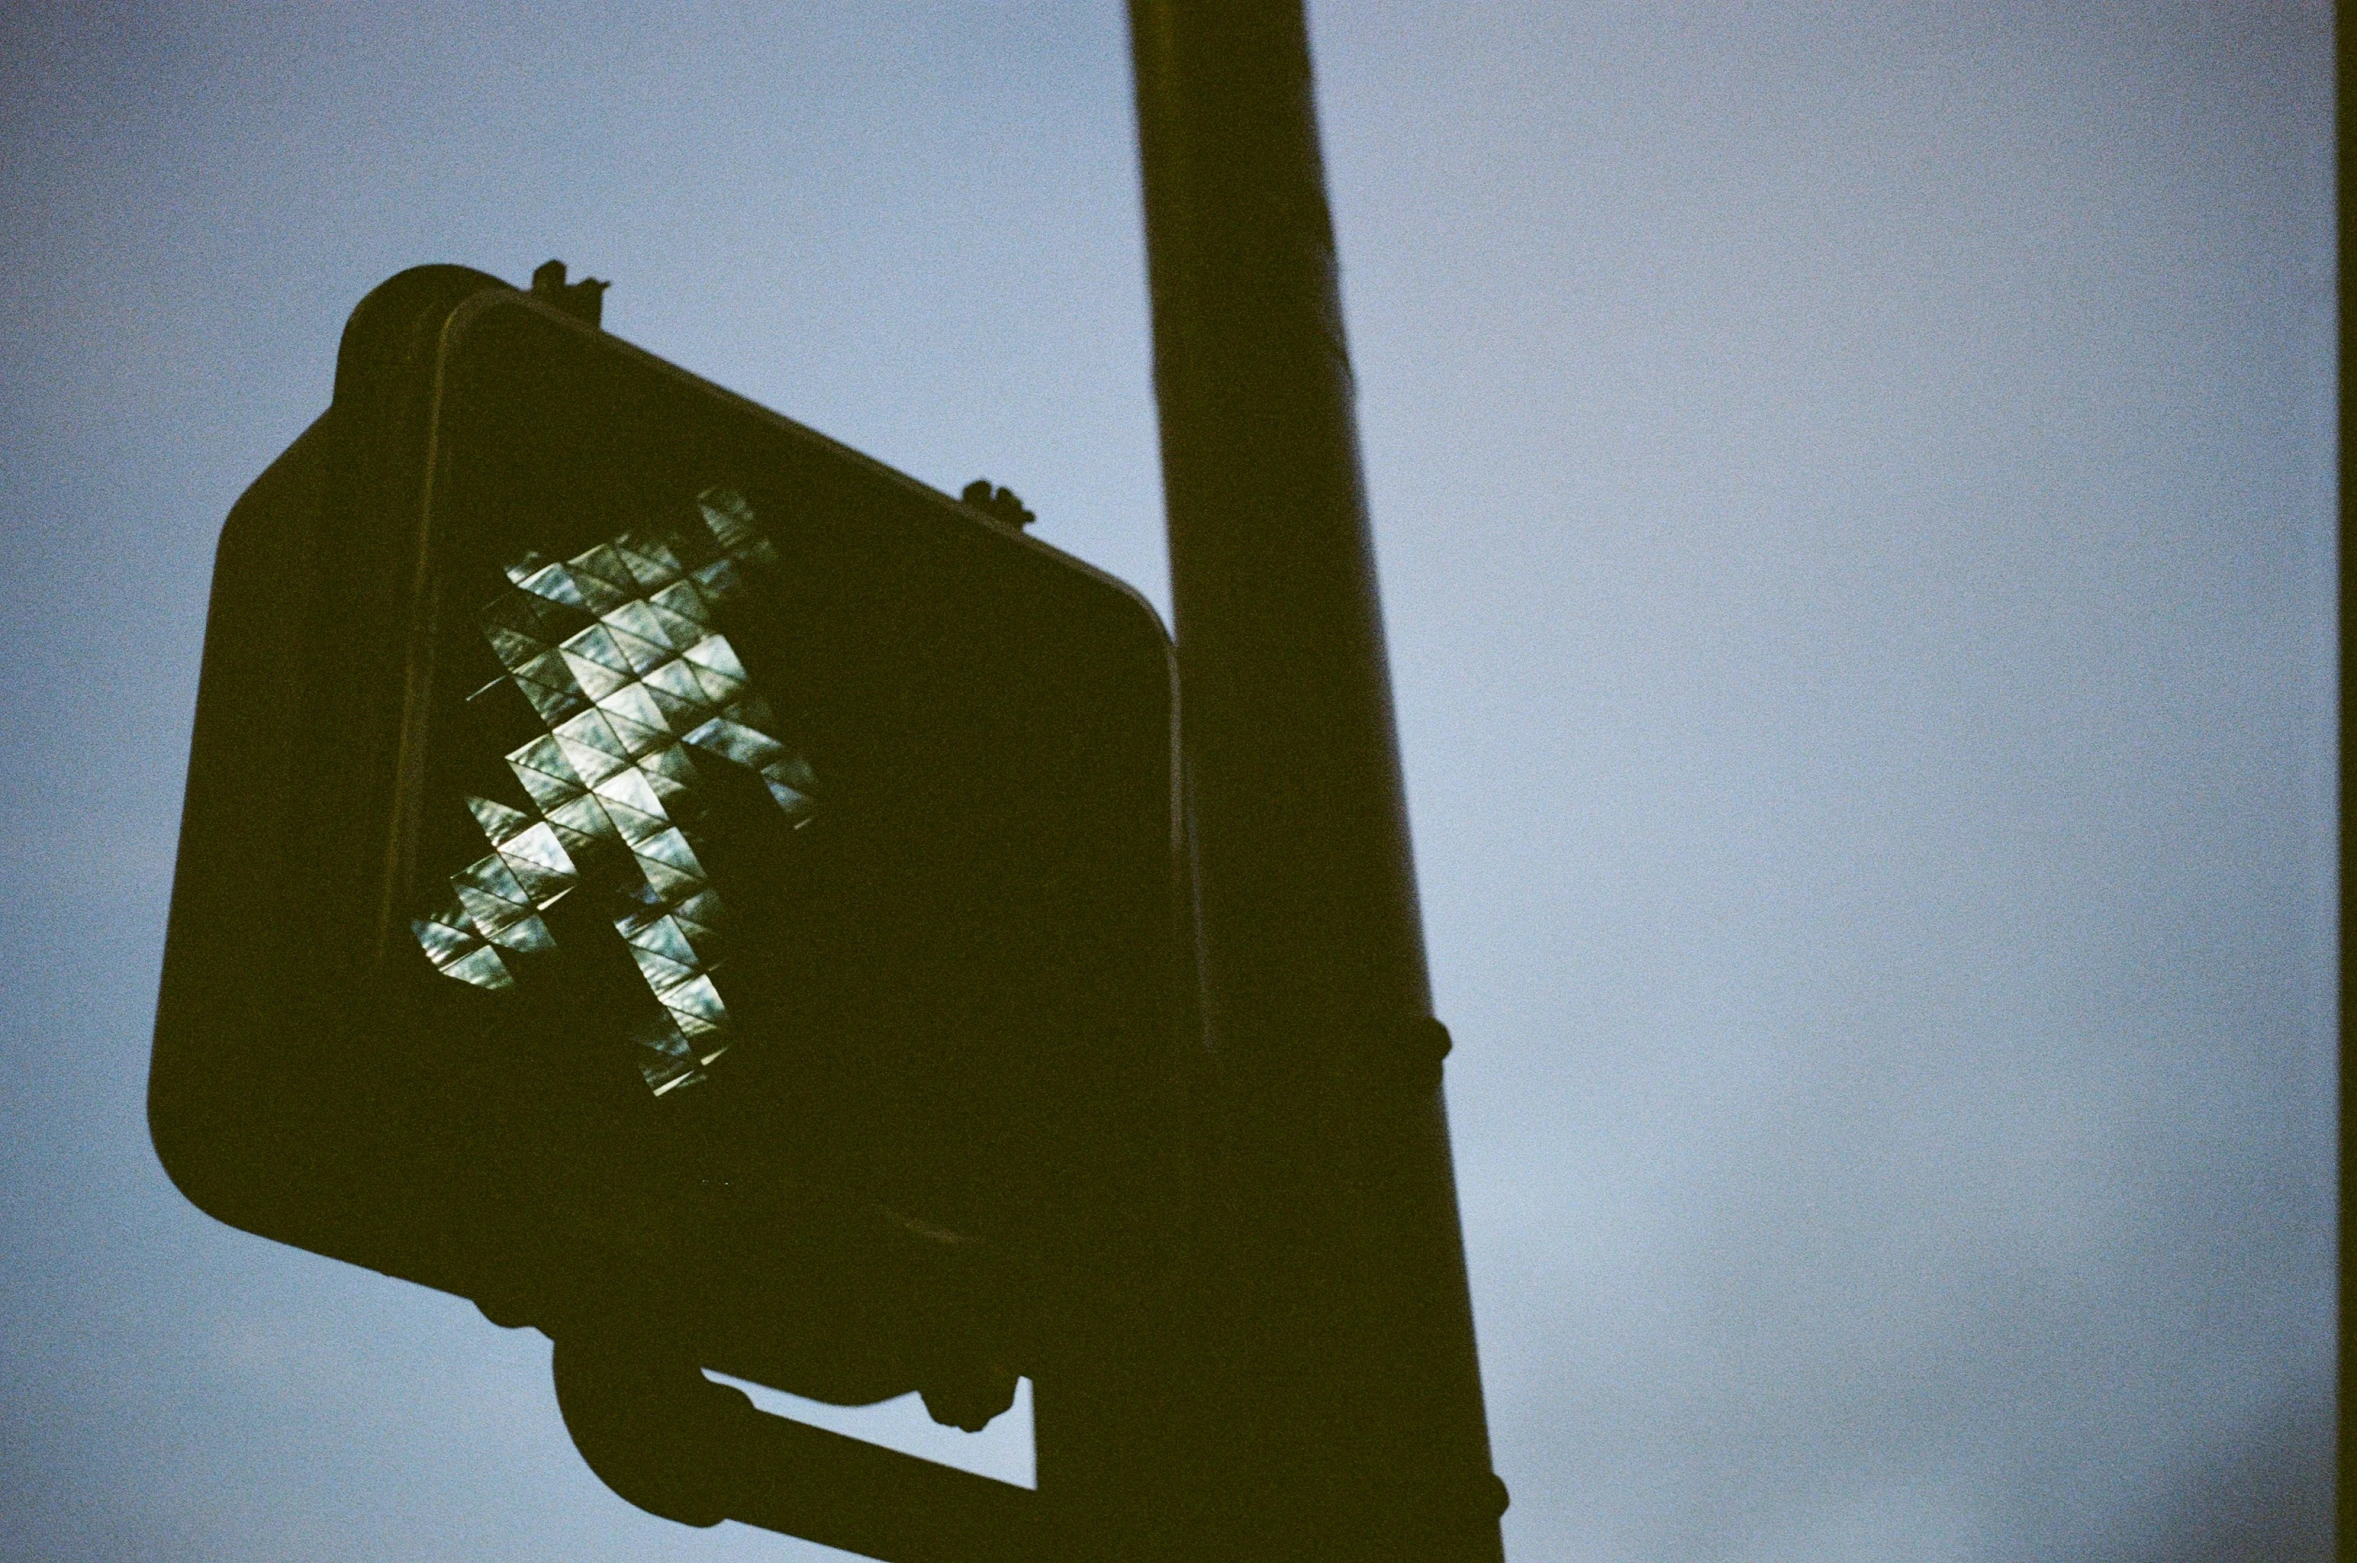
pixel 1344 1414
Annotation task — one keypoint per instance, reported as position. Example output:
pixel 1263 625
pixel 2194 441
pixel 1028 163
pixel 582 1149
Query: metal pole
pixel 1343 1413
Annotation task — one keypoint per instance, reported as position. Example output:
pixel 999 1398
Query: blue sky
pixel 1853 487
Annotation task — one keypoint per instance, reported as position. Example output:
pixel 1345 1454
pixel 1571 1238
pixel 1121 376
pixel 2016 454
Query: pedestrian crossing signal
pixel 649 868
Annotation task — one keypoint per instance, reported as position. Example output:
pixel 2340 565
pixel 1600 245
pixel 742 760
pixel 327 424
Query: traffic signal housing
pixel 663 875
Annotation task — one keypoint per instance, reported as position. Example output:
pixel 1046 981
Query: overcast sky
pixel 1853 487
